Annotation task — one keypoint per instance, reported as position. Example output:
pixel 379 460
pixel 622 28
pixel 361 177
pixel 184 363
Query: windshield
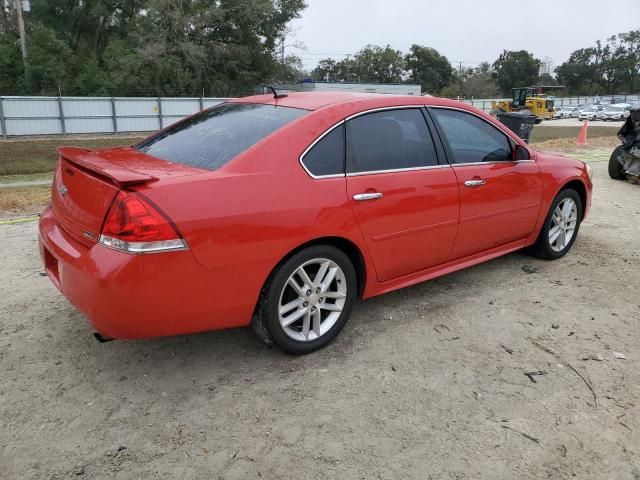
pixel 614 109
pixel 213 137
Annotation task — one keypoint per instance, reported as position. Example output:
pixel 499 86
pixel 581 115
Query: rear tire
pixel 561 226
pixel 615 168
pixel 308 299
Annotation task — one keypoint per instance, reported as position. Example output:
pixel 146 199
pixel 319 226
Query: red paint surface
pixel 241 220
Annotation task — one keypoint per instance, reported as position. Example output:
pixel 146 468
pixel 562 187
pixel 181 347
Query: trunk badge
pixel 89 235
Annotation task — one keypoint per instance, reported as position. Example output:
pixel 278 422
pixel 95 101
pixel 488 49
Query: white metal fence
pixel 71 115
pixel 485 103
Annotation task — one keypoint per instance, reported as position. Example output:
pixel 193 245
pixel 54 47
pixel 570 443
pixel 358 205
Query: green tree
pixel 610 67
pixel 372 64
pixel 88 26
pixel 579 73
pixel 288 72
pixel 476 82
pixel 516 69
pixel 48 60
pixel 631 45
pixel 428 68
pixel 378 65
pixel 326 70
pixel 148 47
pixel 11 68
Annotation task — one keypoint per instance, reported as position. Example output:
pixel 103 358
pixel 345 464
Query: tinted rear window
pixel 211 138
pixel 327 156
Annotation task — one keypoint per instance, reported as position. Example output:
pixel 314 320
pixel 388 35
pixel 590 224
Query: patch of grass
pixel 24 200
pixel 569 144
pixel 38 155
pixel 32 177
pixel 545 132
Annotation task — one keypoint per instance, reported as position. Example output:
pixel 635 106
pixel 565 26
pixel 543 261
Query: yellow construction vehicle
pixel 528 98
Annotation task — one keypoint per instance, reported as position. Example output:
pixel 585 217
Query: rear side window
pixel 471 139
pixel 389 140
pixel 213 137
pixel 326 157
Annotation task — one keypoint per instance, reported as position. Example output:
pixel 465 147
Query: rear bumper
pixel 138 296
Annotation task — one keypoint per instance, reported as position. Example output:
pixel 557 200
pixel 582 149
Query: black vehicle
pixel 625 159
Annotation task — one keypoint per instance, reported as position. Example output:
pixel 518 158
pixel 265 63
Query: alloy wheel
pixel 563 224
pixel 312 300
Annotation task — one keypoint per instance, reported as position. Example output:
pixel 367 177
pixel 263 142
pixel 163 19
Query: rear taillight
pixel 133 225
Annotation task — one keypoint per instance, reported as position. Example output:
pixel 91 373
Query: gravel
pixel 393 397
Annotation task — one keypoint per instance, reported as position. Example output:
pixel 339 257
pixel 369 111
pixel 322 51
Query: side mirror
pixel 520 153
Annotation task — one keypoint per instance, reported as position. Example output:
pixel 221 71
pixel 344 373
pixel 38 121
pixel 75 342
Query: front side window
pixel 327 156
pixel 389 140
pixel 213 137
pixel 472 139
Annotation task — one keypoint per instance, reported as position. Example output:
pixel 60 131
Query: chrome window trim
pixel 397 170
pixel 496 162
pixel 308 149
pixel 429 167
pixel 497 127
pixel 344 121
pixel 381 109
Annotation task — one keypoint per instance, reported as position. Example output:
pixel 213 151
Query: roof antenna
pixel 274 90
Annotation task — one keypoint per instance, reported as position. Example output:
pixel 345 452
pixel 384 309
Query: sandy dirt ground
pixel 427 383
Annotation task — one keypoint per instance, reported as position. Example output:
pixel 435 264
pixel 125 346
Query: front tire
pixel 561 226
pixel 615 167
pixel 308 299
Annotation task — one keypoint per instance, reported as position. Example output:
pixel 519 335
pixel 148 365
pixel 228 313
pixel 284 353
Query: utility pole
pixel 284 34
pixel 23 38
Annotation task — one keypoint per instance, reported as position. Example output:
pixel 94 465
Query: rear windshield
pixel 213 137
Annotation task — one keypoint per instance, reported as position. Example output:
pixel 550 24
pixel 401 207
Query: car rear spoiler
pixel 92 161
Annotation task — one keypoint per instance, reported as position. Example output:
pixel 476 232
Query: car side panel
pixel 502 210
pixel 413 225
pixel 557 172
pixel 141 296
pixel 244 223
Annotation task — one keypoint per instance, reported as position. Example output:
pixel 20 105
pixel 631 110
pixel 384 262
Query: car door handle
pixel 361 197
pixel 474 183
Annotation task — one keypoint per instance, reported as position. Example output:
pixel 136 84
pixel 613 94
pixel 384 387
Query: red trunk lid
pixel 86 182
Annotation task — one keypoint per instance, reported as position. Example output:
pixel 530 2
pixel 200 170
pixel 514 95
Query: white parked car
pixel 562 112
pixel 576 111
pixel 590 112
pixel 614 112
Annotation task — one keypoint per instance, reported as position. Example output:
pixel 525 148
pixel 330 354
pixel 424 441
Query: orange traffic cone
pixel 582 138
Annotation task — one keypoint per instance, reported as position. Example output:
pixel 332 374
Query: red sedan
pixel 281 212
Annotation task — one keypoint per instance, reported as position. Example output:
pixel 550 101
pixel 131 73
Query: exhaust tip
pixel 101 338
